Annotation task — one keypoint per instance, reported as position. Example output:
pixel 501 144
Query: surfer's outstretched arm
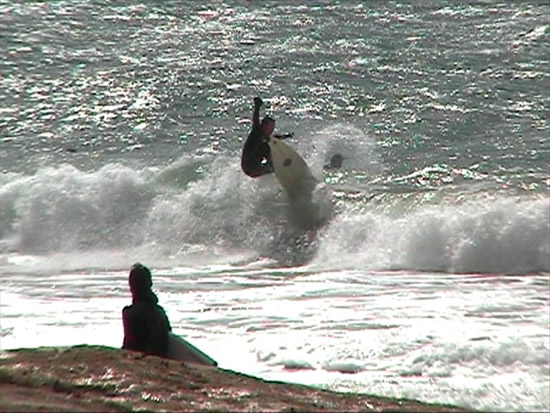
pixel 284 135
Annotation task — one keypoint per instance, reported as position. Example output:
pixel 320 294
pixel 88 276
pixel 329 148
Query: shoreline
pixel 98 378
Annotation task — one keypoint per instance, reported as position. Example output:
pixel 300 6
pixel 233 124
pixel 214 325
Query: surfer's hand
pixel 285 136
pixel 258 102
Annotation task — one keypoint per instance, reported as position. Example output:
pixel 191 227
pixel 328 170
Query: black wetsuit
pixel 256 157
pixel 146 328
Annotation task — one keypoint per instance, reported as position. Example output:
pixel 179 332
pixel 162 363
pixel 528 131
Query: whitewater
pixel 121 128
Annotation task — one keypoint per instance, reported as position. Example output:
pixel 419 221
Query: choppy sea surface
pixel 121 127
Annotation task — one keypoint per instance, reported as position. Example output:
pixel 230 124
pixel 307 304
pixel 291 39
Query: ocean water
pixel 121 126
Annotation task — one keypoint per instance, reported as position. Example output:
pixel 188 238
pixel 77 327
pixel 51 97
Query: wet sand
pixel 93 378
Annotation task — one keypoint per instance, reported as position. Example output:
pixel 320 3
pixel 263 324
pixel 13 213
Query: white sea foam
pixel 59 210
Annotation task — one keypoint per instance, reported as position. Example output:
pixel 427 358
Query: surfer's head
pixel 336 161
pixel 140 280
pixel 268 125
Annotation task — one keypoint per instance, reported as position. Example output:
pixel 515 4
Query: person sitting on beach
pixel 256 156
pixel 146 326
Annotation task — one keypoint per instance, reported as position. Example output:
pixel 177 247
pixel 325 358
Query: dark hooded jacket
pixel 146 326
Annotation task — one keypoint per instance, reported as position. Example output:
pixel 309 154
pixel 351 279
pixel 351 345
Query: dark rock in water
pixel 88 378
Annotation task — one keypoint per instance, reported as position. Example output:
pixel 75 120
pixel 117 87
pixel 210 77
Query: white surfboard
pixel 180 349
pixel 291 170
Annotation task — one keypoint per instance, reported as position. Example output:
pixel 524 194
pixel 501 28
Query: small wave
pixel 194 206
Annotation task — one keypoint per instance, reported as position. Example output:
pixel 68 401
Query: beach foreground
pixel 93 378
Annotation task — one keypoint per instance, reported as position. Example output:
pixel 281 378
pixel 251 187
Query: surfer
pixel 336 161
pixel 146 326
pixel 256 156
